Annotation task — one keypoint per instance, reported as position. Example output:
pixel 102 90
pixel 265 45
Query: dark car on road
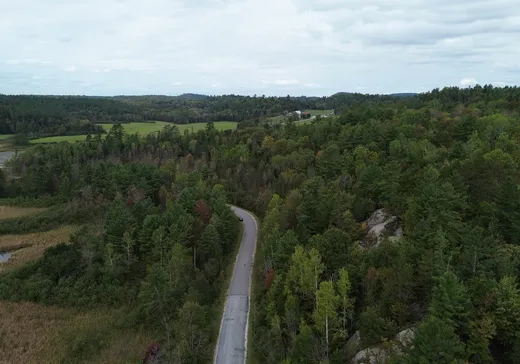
pixel 240 218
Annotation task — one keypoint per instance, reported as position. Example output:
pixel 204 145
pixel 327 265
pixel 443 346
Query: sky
pixel 263 47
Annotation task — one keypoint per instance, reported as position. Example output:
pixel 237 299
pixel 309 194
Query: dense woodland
pixel 154 241
pixel 65 115
pixel 444 162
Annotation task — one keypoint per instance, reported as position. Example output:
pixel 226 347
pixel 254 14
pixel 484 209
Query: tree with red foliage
pixel 152 354
pixel 203 210
pixel 269 278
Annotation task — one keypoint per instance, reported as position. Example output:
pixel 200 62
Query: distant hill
pixel 189 96
pixel 405 94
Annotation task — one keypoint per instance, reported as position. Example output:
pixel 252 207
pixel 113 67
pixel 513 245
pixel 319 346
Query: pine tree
pixel 283 249
pixel 507 310
pixel 436 342
pixel 451 303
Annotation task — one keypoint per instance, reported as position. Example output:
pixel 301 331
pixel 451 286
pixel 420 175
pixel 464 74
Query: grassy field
pixel 141 128
pixel 8 212
pixel 32 333
pixel 28 247
pixel 5 142
pixel 320 112
pixel 147 128
pixel 57 139
pixel 276 119
pixel 281 118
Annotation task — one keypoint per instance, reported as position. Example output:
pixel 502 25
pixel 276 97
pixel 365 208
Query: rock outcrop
pixel 381 225
pixel 379 354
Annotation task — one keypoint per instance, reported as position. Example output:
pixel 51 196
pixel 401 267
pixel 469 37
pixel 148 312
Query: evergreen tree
pixel 436 342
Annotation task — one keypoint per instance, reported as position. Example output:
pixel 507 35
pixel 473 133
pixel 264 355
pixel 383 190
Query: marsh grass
pixel 29 247
pixel 10 212
pixel 33 333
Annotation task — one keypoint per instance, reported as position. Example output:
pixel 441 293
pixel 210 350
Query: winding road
pixel 232 339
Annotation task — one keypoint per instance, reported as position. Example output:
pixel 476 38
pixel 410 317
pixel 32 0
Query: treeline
pixel 37 115
pixel 60 115
pixel 445 164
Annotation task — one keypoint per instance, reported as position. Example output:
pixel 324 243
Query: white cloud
pixel 70 69
pixel 321 46
pixel 176 83
pixel 281 82
pixel 465 82
pixel 23 61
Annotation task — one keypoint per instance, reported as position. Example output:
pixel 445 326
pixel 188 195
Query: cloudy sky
pixel 271 47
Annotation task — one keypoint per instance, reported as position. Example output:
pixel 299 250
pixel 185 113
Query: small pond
pixel 4 257
pixel 5 156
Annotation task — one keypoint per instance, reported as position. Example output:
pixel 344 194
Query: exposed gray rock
pixel 381 225
pixel 377 217
pixel 354 339
pixel 379 354
pixel 353 344
pixel 406 337
pixel 374 355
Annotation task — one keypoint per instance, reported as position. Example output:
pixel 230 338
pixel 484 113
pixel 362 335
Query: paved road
pixel 232 341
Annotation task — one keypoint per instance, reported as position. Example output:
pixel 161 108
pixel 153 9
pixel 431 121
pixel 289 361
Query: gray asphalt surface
pixel 232 340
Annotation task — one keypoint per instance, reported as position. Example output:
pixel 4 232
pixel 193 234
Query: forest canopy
pixel 442 166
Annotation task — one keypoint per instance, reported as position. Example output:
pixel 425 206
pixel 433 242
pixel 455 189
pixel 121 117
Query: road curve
pixel 232 339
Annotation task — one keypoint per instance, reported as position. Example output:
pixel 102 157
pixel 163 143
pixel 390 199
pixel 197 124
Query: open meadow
pixel 141 128
pixel 33 333
pixel 281 118
pixel 320 112
pixel 31 246
pixel 10 212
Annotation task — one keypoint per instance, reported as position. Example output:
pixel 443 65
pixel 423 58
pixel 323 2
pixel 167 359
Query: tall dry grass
pixel 28 247
pixel 26 331
pixel 9 212
pixel 32 333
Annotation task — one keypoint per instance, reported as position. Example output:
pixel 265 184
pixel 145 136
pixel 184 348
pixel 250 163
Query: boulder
pixel 374 355
pixel 379 354
pixel 381 225
pixel 406 336
pixel 353 344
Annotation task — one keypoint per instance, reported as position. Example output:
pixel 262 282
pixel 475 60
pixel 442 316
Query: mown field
pixel 320 112
pixel 141 128
pixel 281 118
